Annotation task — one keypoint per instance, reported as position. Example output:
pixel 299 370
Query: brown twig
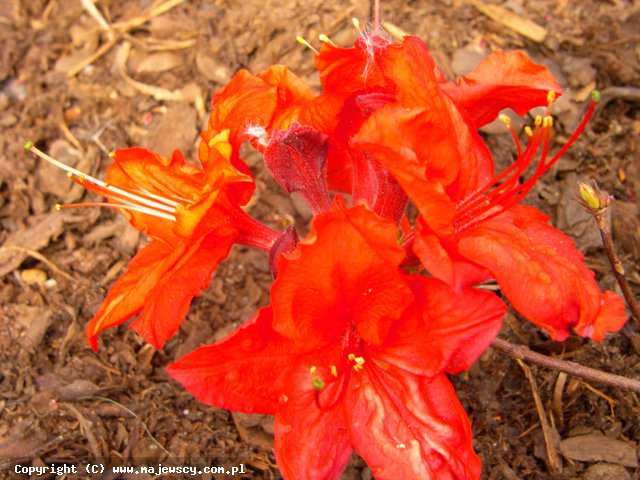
pixel 586 373
pixel 553 459
pixel 597 202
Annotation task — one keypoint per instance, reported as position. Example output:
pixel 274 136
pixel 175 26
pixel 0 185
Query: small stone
pixel 33 276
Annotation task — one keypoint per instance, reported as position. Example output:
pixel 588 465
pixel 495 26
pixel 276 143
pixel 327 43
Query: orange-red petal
pixel 245 371
pixel 160 282
pixel 310 443
pixel 345 272
pixel 502 80
pixel 406 426
pixel 543 274
pixel 443 330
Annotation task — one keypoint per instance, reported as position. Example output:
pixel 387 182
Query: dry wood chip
pixel 596 447
pixel 158 62
pixel 504 16
pixel 34 237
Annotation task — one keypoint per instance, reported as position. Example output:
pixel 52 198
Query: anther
pixel 324 39
pixel 351 357
pixel 547 122
pixel 595 95
pixel 334 371
pixel 130 200
pixel 356 23
pixel 538 121
pixel 313 370
pixel 302 41
pixel 551 97
pixel 528 132
pixel 505 119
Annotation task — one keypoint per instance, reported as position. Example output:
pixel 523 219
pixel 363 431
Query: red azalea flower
pixel 192 216
pixel 471 225
pixel 353 356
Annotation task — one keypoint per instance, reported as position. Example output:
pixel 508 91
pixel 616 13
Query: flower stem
pixel 591 374
pixel 616 265
pixel 596 202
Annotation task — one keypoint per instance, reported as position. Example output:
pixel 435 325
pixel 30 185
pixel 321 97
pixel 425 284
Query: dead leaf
pixel 596 447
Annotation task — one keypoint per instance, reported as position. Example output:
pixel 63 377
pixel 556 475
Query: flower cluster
pixel 370 311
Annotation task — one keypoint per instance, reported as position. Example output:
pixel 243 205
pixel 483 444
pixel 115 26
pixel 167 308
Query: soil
pixel 149 85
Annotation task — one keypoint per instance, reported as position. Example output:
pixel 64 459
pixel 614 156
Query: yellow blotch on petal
pixel 220 142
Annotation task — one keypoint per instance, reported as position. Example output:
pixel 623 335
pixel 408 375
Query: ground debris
pixel 596 447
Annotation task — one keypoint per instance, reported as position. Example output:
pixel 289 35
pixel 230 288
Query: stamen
pixel 507 121
pixel 324 39
pixel 334 371
pixel 496 197
pixel 356 23
pixel 102 186
pixel 135 208
pixel 302 41
pixel 313 370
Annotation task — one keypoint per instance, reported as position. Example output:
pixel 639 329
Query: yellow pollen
pixel 351 357
pixel 324 39
pixel 528 131
pixel 57 207
pixel 313 370
pixel 302 41
pixel 505 119
pixel 70 174
pixel 359 360
pixel 334 370
pixel 112 154
pixel 551 96
pixel 357 367
pixel 547 122
pixel 538 121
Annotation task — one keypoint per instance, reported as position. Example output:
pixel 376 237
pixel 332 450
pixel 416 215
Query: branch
pixel 591 374
pixel 597 202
